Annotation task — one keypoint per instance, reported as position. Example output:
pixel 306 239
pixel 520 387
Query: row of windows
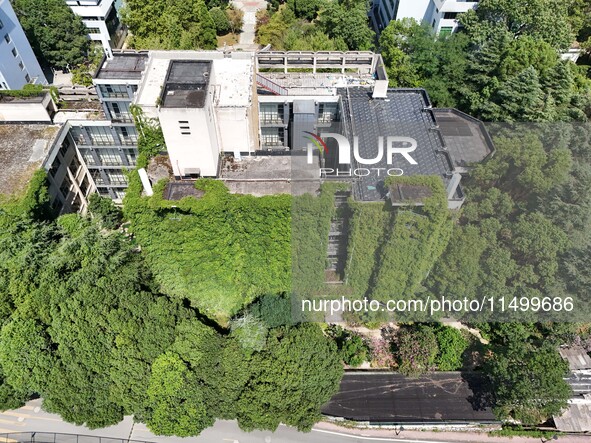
pixel 114 91
pixel 104 135
pixel 109 157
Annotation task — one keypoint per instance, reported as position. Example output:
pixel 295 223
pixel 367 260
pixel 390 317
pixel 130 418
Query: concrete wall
pixel 11 74
pixel 197 150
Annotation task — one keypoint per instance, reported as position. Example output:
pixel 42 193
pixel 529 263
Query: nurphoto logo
pixel 403 146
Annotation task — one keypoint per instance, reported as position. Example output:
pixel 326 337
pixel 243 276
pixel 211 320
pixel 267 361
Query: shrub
pixel 452 344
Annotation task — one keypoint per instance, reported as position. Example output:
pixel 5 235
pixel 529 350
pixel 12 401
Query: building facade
pixel 440 14
pixel 102 21
pixel 18 64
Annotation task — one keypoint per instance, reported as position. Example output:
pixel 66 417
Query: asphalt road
pixel 389 397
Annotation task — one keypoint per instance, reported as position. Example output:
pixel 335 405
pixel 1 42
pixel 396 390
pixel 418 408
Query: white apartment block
pixel 440 14
pixel 102 21
pixel 18 64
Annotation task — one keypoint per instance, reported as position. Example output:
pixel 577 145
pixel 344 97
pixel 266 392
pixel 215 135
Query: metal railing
pixel 53 437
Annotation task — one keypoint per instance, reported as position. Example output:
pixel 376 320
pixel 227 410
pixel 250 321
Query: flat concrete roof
pixel 231 76
pixel 186 84
pixel 234 77
pixel 23 149
pixel 465 137
pixel 393 398
pixel 123 66
pixel 267 175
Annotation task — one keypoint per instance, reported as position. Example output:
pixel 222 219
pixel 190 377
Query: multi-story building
pixel 18 64
pixel 255 121
pixel 102 21
pixel 440 14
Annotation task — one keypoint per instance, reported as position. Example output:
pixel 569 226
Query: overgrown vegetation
pixel 189 24
pixel 86 327
pixel 316 25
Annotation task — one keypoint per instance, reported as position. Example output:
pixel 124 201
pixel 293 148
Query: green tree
pixel 546 20
pixel 57 35
pixel 451 344
pixel 220 20
pixel 109 215
pixel 528 382
pixel 207 29
pixel 347 20
pixel 298 372
pixel 175 402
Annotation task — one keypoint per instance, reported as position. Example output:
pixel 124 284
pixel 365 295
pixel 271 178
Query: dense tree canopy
pixel 187 24
pixel 85 326
pixel 57 35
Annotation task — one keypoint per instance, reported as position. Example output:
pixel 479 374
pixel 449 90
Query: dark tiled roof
pixel 123 66
pixel 404 113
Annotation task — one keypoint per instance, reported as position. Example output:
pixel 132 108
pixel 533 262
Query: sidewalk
pixel 247 35
pixel 440 436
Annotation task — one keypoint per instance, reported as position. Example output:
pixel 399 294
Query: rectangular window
pixel 97 177
pixel 270 113
pixel 327 112
pixel 74 165
pixel 27 78
pixel 20 65
pixel 7 38
pixel 131 155
pixel 104 192
pixel 116 177
pixel 1 24
pixel 87 157
pixel 100 135
pixel 65 187
pixel 64 148
pixel 127 135
pixel 450 15
pixel 272 137
pixel 14 53
pixel 110 157
pixel 114 91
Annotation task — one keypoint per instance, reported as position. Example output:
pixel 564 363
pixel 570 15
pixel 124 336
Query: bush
pixel 452 345
pixel 351 346
pixel 416 349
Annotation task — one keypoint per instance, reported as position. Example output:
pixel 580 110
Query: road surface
pixel 393 398
pixel 31 418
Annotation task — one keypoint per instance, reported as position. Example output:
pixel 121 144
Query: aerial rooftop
pixel 123 66
pixel 232 77
pixel 465 137
pixel 22 149
pixel 186 84
pixel 404 113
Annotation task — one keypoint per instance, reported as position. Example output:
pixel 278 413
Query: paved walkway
pixel 247 35
pixel 410 436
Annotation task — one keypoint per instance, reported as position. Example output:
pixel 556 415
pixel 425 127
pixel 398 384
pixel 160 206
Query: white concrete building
pixel 203 102
pixel 440 14
pixel 18 64
pixel 102 21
